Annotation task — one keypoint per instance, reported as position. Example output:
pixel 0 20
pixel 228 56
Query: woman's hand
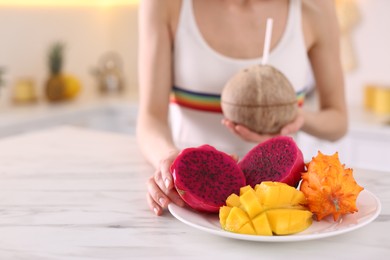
pixel 250 136
pixel 160 186
pixel 244 132
pixel 295 125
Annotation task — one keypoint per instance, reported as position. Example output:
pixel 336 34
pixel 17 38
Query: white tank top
pixel 200 74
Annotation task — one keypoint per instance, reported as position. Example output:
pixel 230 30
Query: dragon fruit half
pixel 204 177
pixel 277 159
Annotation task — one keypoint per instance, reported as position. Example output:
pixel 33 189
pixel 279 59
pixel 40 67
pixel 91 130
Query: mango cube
pixel 233 200
pixel 250 203
pixel 223 214
pixel 247 229
pixel 278 194
pixel 236 219
pixel 289 221
pixel 271 208
pixel 245 189
pixel 261 224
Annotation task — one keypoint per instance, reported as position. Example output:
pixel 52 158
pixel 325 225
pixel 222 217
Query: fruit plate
pixel 368 204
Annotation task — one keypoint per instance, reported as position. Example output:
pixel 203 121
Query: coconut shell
pixel 261 98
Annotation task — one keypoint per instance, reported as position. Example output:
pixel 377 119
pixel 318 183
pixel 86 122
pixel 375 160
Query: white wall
pixel 26 33
pixel 88 32
pixel 371 42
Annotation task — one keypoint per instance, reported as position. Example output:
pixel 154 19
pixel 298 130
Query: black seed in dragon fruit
pixel 204 177
pixel 277 159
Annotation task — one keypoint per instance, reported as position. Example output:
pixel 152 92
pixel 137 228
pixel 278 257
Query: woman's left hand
pixel 295 125
pixel 250 136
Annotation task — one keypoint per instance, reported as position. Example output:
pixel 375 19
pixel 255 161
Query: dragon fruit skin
pixel 204 177
pixel 277 159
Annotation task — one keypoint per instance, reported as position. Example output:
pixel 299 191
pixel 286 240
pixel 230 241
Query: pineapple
pixel 55 85
pixel 59 86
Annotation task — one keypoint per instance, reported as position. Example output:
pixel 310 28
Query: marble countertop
pixel 72 193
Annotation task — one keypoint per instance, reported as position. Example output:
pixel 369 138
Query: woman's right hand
pixel 161 190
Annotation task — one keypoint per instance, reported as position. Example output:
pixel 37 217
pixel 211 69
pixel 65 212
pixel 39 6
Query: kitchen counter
pixel 73 193
pixel 116 113
pixel 365 145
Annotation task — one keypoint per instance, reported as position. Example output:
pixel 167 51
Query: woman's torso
pixel 205 57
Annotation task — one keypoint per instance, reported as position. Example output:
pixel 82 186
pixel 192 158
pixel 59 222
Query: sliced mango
pixel 247 229
pixel 276 194
pixel 261 225
pixel 299 199
pixel 270 208
pixel 236 219
pixel 245 189
pixel 223 214
pixel 289 221
pixel 250 203
pixel 233 200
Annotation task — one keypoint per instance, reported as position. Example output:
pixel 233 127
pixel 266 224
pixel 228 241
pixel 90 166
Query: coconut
pixel 261 98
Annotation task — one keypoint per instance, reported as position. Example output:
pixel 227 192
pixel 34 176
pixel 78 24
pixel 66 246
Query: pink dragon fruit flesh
pixel 277 159
pixel 204 177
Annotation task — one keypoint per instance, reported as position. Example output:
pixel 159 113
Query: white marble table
pixel 71 193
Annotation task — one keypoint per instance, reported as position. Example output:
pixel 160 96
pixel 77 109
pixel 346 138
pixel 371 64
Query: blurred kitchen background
pixel 96 40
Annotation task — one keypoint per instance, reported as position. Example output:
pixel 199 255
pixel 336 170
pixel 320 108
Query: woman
pixel 190 48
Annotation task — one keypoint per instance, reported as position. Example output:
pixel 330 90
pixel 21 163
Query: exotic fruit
pixel 329 187
pixel 268 208
pixel 60 86
pixel 277 159
pixel 261 98
pixel 204 177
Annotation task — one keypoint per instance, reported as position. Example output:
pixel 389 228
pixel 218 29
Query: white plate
pixel 368 204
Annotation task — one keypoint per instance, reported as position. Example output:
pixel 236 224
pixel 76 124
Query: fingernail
pixel 166 182
pixel 161 201
pixel 155 211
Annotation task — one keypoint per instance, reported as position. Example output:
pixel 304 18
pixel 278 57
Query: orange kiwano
pixel 329 187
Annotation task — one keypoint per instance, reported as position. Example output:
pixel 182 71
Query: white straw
pixel 267 40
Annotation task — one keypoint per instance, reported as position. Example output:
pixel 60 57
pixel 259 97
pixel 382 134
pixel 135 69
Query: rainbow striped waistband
pixel 196 100
pixel 208 102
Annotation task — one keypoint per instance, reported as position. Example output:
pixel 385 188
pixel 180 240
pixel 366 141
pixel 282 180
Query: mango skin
pixel 271 208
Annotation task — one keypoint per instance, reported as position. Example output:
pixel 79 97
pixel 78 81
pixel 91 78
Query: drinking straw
pixel 267 40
